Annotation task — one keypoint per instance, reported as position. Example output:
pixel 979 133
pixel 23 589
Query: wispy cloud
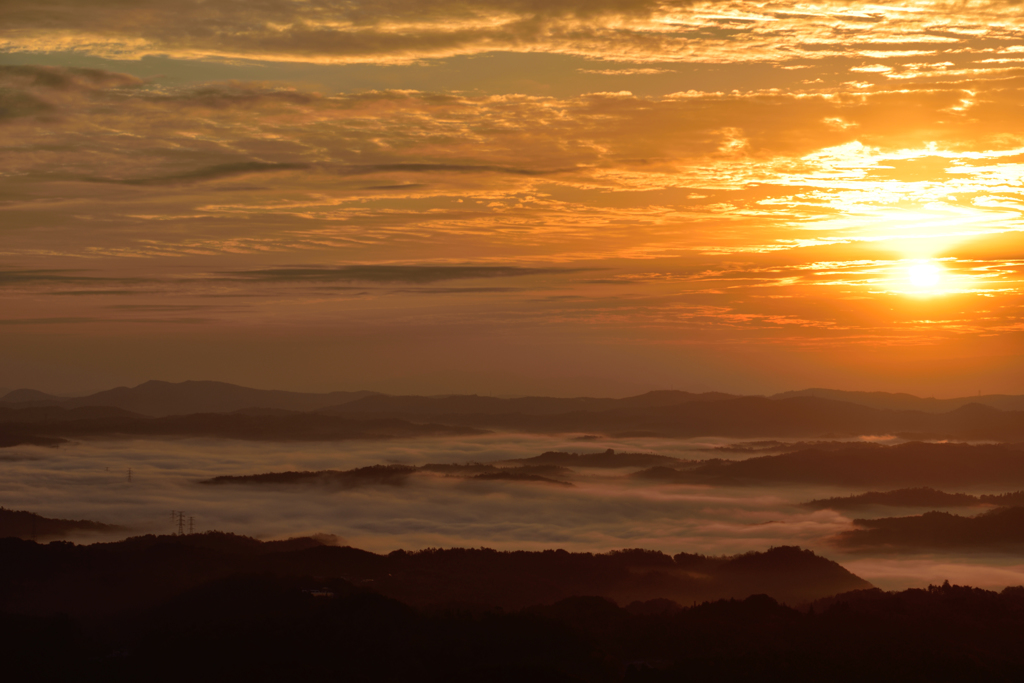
pixel 104 321
pixel 404 31
pixel 18 277
pixel 766 176
pixel 412 274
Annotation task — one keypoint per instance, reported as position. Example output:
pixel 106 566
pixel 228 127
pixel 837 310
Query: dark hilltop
pixel 220 607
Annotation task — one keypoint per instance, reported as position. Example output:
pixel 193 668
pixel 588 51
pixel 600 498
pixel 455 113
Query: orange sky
pixel 558 196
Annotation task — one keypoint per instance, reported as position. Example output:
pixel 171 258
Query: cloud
pixel 160 308
pixel 412 274
pixel 15 105
pixel 47 321
pixel 601 512
pixel 753 211
pixel 63 78
pixel 252 167
pixel 215 172
pixel 18 277
pixel 101 292
pixel 104 321
pixel 455 290
pixel 31 90
pixel 243 168
pixel 303 31
pixel 626 72
pixel 408 31
pixel 438 168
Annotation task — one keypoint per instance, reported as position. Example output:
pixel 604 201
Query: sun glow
pixel 925 277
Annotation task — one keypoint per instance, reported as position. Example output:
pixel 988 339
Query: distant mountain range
pixel 225 410
pixel 46 425
pixel 886 401
pixel 157 399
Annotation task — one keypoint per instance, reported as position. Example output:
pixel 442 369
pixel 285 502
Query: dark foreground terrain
pixel 24 524
pixel 219 607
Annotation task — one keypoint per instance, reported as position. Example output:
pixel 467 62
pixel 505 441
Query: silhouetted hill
pixel 886 401
pixel 395 475
pixel 511 475
pixel 264 627
pixel 461 469
pixel 517 579
pixel 391 475
pixel 410 406
pixel 912 497
pixel 100 421
pixel 807 414
pixel 55 414
pixel 173 607
pixel 675 414
pixel 919 497
pixel 219 607
pixel 155 398
pixel 10 440
pixel 27 396
pixel 608 458
pixel 866 464
pixel 1012 499
pixel 755 447
pixel 34 426
pixel 744 417
pixel 28 525
pixel 998 529
pixel 130 574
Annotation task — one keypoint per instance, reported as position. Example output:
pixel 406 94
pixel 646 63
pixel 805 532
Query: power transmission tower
pixel 191 525
pixel 181 523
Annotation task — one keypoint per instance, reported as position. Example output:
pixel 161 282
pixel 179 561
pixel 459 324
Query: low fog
pixel 604 509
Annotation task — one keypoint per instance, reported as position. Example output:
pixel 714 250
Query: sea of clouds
pixel 604 510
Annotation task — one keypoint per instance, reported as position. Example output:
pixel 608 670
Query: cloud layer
pixel 655 180
pixel 332 31
pixel 604 509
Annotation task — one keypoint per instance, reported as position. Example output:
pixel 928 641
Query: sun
pixel 924 276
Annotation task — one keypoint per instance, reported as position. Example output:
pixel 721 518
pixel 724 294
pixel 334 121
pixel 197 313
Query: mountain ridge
pixel 157 398
pixel 747 417
pixel 902 401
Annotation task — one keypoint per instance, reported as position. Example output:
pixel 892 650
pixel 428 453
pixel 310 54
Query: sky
pixel 561 197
